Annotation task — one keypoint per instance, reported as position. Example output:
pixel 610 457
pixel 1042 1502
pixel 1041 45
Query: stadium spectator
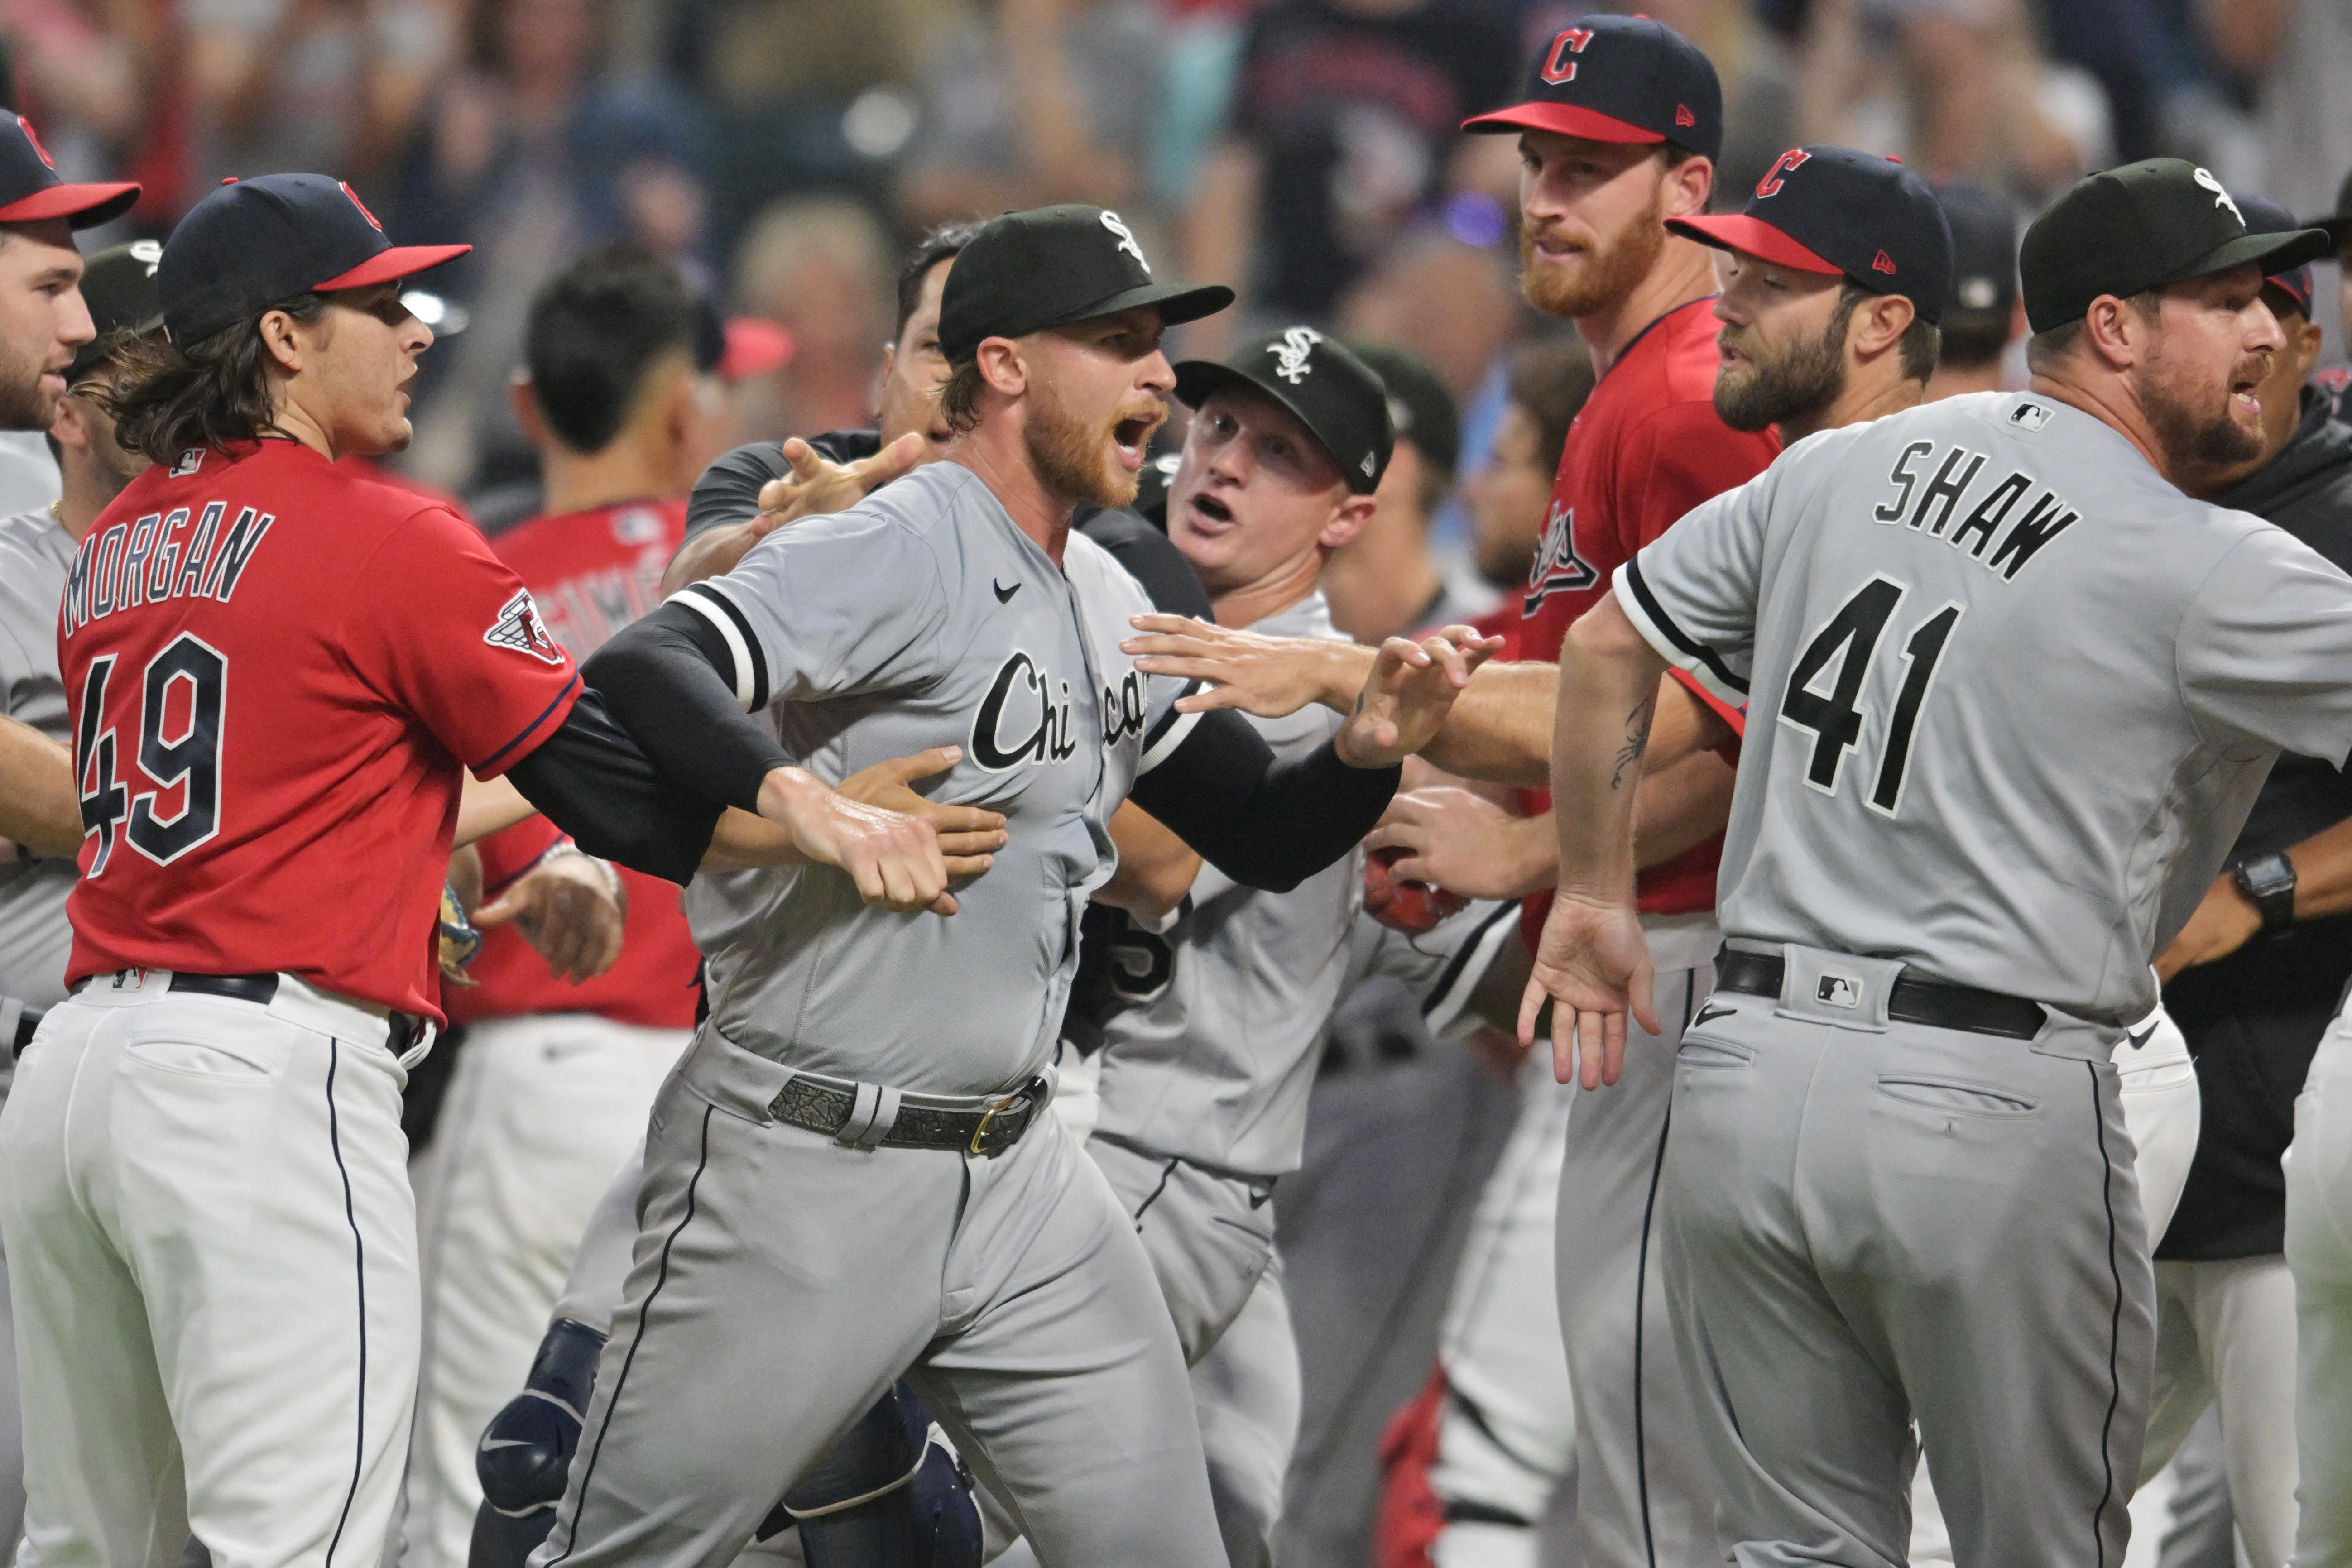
pixel 283 86
pixel 1509 498
pixel 819 266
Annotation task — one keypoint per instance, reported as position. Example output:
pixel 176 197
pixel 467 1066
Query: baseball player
pixel 276 675
pixel 1900 1172
pixel 550 1095
pixel 36 554
pixel 2318 1223
pixel 926 1224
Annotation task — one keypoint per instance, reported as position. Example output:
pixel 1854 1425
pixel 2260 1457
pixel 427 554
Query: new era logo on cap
pixel 1837 210
pixel 1618 78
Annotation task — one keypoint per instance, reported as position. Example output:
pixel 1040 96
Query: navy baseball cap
pixel 2269 217
pixel 1618 78
pixel 253 244
pixel 1342 400
pixel 31 189
pixel 1050 267
pixel 2337 225
pixel 1984 250
pixel 2147 225
pixel 118 287
pixel 1845 213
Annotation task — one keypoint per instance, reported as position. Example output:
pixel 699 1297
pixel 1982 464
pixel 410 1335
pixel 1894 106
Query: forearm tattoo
pixel 1637 740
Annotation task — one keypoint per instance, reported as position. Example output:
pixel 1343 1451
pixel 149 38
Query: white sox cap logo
pixel 1290 354
pixel 2220 196
pixel 520 629
pixel 1112 221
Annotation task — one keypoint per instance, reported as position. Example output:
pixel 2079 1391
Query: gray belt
pixel 870 1116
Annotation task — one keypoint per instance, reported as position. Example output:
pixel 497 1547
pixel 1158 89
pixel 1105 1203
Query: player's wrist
pixel 1346 669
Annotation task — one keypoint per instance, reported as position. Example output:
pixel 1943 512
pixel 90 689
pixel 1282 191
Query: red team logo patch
pixel 519 625
pixel 1558 568
pixel 1557 68
pixel 361 204
pixel 1789 163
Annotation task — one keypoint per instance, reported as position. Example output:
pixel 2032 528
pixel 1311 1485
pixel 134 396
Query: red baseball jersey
pixel 1646 447
pixel 590 573
pixel 274 670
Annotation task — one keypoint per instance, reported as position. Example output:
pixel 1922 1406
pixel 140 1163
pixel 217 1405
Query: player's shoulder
pixel 35 536
pixel 597 529
pixel 1101 581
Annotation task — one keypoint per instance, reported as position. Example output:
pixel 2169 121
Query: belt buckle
pixel 1026 1097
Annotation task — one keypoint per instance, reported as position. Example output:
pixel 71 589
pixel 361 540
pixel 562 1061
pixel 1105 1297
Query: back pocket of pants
pixel 1954 1095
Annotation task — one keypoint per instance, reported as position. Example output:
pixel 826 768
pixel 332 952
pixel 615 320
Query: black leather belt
pixel 1928 1001
pixel 822 1108
pixel 403 1030
pixel 25 1023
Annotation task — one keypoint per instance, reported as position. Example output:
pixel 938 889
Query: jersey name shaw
pixel 161 557
pixel 2045 518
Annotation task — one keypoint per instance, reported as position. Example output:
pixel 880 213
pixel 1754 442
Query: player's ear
pixel 2116 330
pixel 526 407
pixel 1688 184
pixel 1003 366
pixel 1348 521
pixel 1879 324
pixel 71 426
pixel 281 342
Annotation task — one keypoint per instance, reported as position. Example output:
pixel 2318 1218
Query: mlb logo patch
pixel 520 629
pixel 190 461
pixel 1837 991
pixel 2029 416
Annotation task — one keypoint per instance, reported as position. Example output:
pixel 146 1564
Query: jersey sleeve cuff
pixel 749 676
pixel 1673 645
pixel 528 738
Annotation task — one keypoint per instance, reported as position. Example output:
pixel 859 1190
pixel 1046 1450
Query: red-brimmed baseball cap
pixel 253 244
pixel 1618 78
pixel 31 190
pixel 1843 213
pixel 2264 217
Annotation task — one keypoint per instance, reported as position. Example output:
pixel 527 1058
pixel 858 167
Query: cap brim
pixel 1738 231
pixel 1563 118
pixel 388 266
pixel 1176 303
pixel 1196 379
pixel 2272 252
pixel 85 207
pixel 2336 226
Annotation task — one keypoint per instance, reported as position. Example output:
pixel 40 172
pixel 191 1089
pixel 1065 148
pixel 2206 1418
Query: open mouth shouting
pixel 1132 434
pixel 1211 515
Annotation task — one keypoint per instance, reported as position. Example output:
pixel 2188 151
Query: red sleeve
pixel 1735 717
pixel 1675 458
pixel 445 633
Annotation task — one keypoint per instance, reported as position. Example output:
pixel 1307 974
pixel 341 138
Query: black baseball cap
pixel 1339 398
pixel 2269 217
pixel 1618 78
pixel 1984 250
pixel 118 287
pixel 252 243
pixel 1050 267
pixel 31 189
pixel 1846 213
pixel 1420 406
pixel 2337 225
pixel 2147 225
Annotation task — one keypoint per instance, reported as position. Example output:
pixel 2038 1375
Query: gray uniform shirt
pixel 1216 1067
pixel 2013 693
pixel 923 616
pixel 35 556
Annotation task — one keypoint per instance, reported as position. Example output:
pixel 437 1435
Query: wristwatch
pixel 2268 882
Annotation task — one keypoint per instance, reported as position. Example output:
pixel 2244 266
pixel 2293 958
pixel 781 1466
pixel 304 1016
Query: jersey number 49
pixel 179 742
pixel 1835 716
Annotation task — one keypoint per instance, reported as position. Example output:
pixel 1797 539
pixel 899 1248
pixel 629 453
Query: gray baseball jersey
pixel 1214 1066
pixel 2012 694
pixel 35 556
pixel 924 616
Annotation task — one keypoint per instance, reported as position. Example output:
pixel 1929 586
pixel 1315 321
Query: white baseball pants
pixel 540 1113
pixel 2319 1251
pixel 206 1210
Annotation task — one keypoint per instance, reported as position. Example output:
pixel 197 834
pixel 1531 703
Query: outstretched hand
pixel 1593 965
pixel 815 486
pixel 571 908
pixel 1410 690
pixel 894 859
pixel 1270 676
pixel 966 832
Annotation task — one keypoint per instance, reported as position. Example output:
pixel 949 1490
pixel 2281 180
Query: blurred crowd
pixel 783 150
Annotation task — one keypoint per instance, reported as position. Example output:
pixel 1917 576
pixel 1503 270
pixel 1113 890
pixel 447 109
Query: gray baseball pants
pixel 782 1282
pixel 1864 1220
pixel 1644 1488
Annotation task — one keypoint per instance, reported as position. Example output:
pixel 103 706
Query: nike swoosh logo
pixel 1003 593
pixel 2141 1038
pixel 491 1445
pixel 1712 1010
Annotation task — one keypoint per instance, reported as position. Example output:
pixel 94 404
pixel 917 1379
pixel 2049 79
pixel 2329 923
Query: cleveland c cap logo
pixel 1557 69
pixel 36 141
pixel 1789 163
pixel 361 204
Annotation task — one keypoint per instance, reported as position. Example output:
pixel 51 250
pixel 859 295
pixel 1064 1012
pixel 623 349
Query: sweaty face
pixel 42 320
pixel 1782 342
pixel 1591 221
pixel 2200 382
pixel 359 362
pixel 1253 492
pixel 909 397
pixel 1094 397
pixel 1509 499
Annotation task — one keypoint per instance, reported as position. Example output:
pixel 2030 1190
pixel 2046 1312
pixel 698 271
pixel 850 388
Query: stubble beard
pixel 2191 441
pixel 1071 454
pixel 1804 379
pixel 25 404
pixel 1613 268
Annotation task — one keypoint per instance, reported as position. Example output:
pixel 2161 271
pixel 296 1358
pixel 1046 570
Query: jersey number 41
pixel 179 741
pixel 1834 717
